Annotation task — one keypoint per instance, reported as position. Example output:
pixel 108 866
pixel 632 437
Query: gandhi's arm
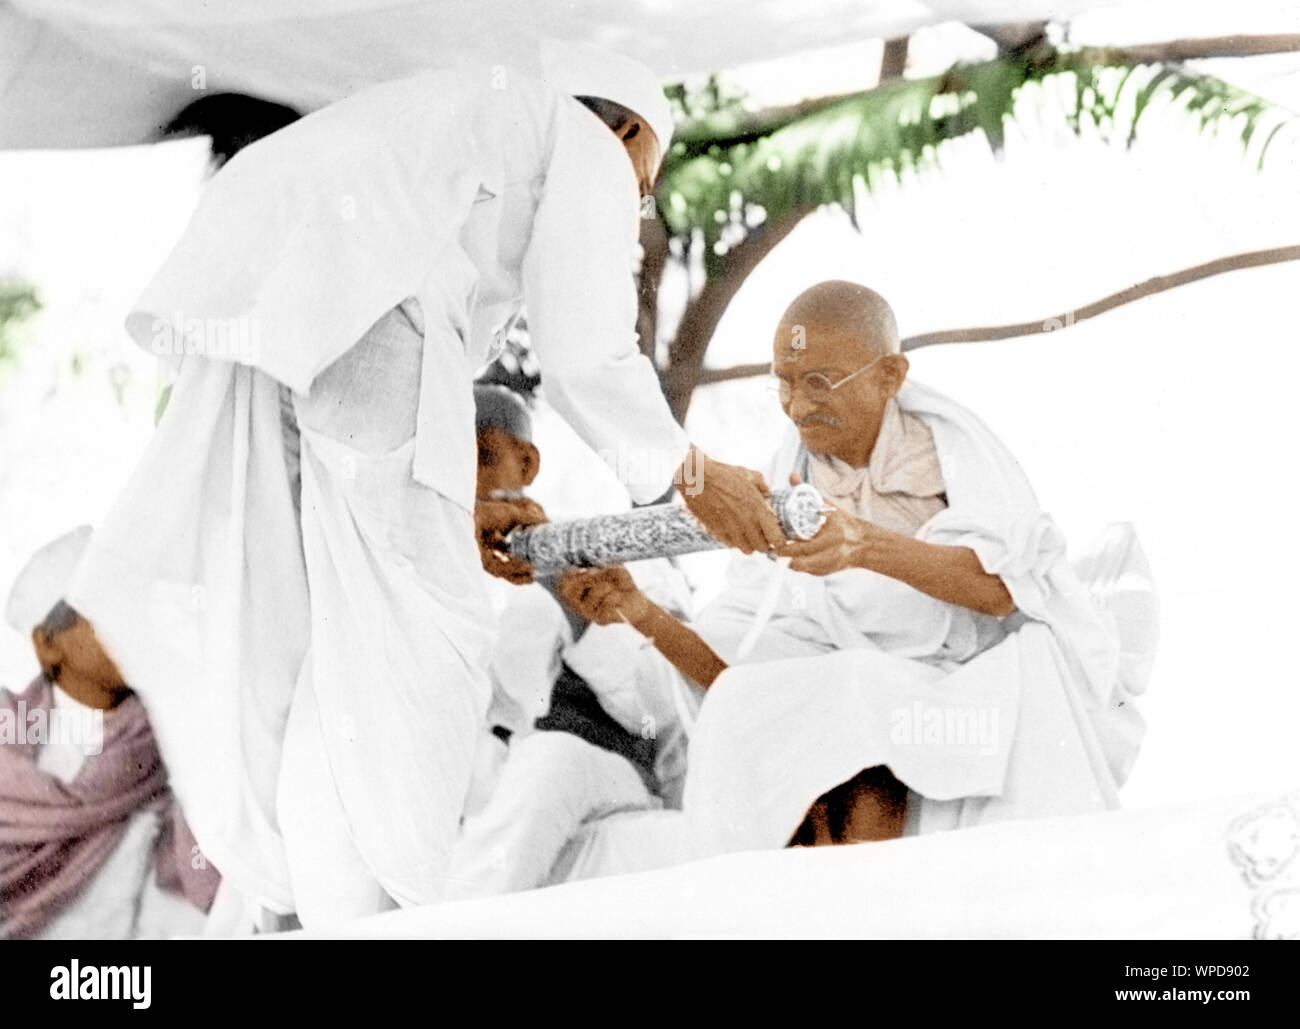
pixel 951 574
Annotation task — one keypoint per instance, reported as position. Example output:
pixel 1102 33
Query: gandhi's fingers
pixel 801 548
pixel 813 564
pixel 802 552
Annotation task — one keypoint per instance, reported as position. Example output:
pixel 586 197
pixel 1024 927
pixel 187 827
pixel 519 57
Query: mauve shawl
pixel 55 836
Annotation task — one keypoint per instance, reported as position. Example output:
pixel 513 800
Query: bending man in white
pixel 291 579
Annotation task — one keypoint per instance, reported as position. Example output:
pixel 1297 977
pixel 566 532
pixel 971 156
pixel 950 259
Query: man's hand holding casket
pixel 495 517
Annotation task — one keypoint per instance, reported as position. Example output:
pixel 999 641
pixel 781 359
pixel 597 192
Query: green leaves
pixel 731 170
pixel 18 302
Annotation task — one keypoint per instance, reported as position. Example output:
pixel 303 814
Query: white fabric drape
pixel 1162 873
pixel 87 73
pixel 196 585
pixel 876 673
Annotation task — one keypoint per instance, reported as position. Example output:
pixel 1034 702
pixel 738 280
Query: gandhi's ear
pixel 895 371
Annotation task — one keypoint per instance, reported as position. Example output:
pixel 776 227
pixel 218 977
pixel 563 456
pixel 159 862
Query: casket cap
pixel 44 579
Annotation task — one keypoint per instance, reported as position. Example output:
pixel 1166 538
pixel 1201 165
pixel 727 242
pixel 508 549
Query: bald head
pixel 846 308
pixel 837 357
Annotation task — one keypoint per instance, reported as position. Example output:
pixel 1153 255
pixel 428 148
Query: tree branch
pixel 1016 36
pixel 1158 284
pixel 726 130
pixel 708 376
pixel 893 62
pixel 654 249
pixel 1214 46
pixel 696 328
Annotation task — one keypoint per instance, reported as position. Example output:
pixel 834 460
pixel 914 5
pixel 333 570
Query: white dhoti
pixel 365 615
pixel 556 811
pixel 552 785
pixel 982 720
pixel 396 665
pixel 203 583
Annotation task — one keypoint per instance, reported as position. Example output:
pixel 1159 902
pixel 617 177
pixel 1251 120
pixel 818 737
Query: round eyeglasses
pixel 815 386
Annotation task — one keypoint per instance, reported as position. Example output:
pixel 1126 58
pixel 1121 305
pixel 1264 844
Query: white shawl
pixel 855 670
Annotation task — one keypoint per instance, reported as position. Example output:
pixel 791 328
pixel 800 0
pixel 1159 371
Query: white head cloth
pixel 43 580
pixel 579 69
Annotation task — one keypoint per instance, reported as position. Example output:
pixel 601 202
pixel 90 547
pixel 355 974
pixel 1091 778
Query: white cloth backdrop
pixel 87 73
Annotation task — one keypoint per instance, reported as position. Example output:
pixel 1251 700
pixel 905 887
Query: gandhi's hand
pixel 732 503
pixel 604 596
pixel 839 544
pixel 493 521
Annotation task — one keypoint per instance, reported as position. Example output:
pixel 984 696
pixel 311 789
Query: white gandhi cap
pixel 579 69
pixel 43 580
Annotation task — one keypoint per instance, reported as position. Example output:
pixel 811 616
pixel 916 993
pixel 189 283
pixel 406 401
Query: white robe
pixel 468 192
pixel 981 724
pixel 550 786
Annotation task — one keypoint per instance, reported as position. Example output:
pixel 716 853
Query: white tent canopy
pixel 92 73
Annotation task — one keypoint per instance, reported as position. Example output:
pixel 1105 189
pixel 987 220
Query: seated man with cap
pixel 570 735
pixel 91 842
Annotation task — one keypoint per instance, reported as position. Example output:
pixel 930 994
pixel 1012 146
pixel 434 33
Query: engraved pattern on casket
pixel 662 530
